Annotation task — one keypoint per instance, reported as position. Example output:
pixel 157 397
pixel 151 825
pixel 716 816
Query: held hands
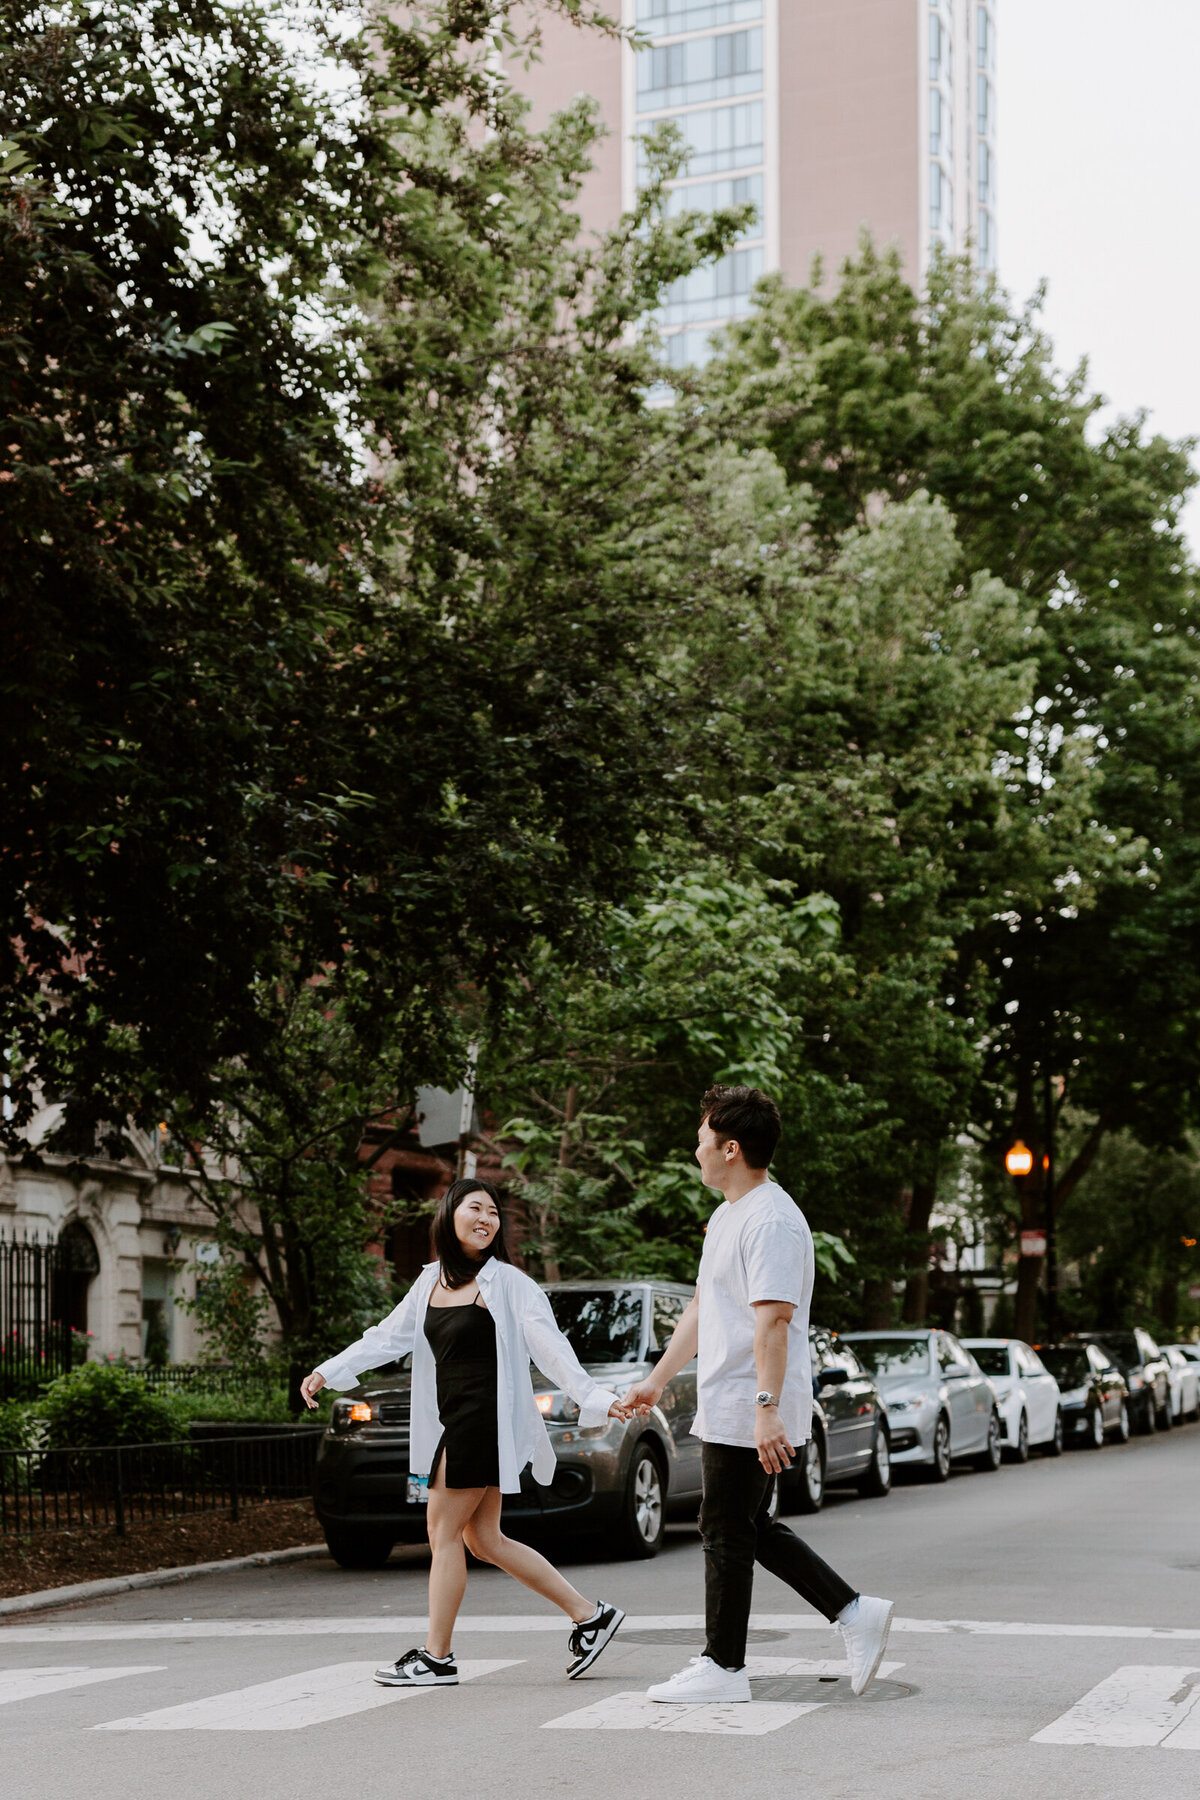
pixel 310 1387
pixel 619 1410
pixel 642 1397
pixel 771 1441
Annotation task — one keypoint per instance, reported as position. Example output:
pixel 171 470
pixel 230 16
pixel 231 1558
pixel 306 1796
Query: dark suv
pixel 1145 1369
pixel 621 1478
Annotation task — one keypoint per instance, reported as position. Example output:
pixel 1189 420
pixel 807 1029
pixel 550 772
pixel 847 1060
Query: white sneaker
pixel 703 1679
pixel 864 1626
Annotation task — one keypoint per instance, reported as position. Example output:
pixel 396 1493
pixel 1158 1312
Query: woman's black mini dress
pixel 463 1341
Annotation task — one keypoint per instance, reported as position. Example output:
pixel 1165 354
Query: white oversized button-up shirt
pixel 525 1328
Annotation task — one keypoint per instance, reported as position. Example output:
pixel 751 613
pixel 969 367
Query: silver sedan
pixel 940 1404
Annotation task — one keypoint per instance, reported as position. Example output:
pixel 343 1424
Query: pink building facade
pixel 827 115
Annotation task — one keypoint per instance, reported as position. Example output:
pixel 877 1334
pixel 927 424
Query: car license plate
pixel 418 1490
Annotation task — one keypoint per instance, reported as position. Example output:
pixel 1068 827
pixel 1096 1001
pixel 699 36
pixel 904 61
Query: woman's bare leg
pixel 484 1539
pixel 449 1511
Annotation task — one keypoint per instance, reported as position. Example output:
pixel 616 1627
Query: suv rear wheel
pixel 807 1489
pixel 878 1479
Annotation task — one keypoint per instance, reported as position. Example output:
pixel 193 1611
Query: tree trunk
pixel 878 1311
pixel 916 1289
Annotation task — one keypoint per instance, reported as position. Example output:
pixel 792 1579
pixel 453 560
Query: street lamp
pixel 1019 1160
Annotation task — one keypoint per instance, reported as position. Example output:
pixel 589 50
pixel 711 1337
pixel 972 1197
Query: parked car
pixel 849 1441
pixel 940 1404
pixel 1142 1364
pixel 1191 1351
pixel 1093 1393
pixel 1184 1376
pixel 623 1477
pixel 1030 1415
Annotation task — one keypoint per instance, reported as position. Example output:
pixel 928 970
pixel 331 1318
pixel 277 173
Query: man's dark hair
pixel 458 1268
pixel 747 1114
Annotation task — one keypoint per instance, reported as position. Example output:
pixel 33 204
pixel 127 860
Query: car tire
pixel 1164 1416
pixel 351 1548
pixel 1122 1430
pixel 643 1520
pixel 1054 1445
pixel 1144 1421
pixel 1095 1437
pixel 939 1469
pixel 1019 1452
pixel 878 1479
pixel 807 1487
pixel 988 1461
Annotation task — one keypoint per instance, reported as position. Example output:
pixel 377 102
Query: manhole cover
pixel 682 1635
pixel 809 1689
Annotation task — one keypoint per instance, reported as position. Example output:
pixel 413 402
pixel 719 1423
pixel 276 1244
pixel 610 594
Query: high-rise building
pixel 828 115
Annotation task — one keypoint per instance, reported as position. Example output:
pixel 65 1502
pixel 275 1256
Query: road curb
pixel 123 1584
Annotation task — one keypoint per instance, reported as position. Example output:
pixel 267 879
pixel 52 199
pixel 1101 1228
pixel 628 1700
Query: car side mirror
pixel 833 1378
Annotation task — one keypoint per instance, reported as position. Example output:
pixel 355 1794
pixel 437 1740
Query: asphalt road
pixel 1047 1646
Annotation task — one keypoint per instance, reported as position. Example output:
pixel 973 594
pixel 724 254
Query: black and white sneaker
pixel 592 1636
pixel 416 1668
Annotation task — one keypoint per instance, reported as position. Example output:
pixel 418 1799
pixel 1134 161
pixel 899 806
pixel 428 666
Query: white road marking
pixel 1137 1706
pixel 506 1624
pixel 761 1666
pixel 633 1712
pixel 28 1684
pixel 289 1704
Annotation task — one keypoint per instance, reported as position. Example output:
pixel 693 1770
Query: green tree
pixel 1069 883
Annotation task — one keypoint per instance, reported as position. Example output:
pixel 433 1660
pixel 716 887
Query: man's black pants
pixel 737 1533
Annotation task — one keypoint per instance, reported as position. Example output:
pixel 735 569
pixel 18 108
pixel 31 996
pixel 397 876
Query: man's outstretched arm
pixel 684 1342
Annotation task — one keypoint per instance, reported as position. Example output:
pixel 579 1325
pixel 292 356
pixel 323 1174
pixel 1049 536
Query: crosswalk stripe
pixel 292 1702
pixel 633 1712
pixel 28 1684
pixel 1135 1707
pixel 507 1624
pixel 792 1665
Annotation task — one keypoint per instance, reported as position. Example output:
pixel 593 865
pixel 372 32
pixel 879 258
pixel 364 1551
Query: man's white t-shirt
pixel 756 1248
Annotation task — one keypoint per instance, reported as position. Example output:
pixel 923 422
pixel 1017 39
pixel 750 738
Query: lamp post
pixel 1019 1160
pixel 1048 1209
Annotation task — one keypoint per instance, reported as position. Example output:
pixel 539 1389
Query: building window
pixel 986 254
pixel 985 175
pixel 984 35
pixel 728 137
pixel 941 124
pixel 711 68
pixel 158 1313
pixel 708 196
pixel 666 18
pixel 941 200
pixel 721 291
pixel 941 46
pixel 983 106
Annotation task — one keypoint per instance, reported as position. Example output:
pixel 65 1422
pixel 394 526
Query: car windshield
pixel 1122 1346
pixel 603 1325
pixel 992 1358
pixel 893 1356
pixel 1070 1368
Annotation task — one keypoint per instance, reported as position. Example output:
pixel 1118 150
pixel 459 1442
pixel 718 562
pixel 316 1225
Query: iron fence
pixel 35 1331
pixel 122 1484
pixel 184 1377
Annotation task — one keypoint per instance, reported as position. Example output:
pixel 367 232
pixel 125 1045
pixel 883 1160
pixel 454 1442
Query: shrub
pixel 103 1403
pixel 18 1425
pixel 261 1406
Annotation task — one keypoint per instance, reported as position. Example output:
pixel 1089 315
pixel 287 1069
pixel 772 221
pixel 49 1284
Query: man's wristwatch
pixel 765 1399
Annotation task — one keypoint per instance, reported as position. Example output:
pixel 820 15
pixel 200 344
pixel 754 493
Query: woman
pixel 472 1322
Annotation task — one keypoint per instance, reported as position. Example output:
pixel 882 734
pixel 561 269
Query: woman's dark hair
pixel 747 1114
pixel 457 1267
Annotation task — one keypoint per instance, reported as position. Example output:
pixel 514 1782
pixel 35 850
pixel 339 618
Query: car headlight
pixel 900 1406
pixel 559 1408
pixel 348 1413
pixel 1073 1396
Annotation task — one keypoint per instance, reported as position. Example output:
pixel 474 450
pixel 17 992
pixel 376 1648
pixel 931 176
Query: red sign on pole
pixel 1033 1243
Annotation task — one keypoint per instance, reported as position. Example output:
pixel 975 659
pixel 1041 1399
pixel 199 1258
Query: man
pixel 748 1324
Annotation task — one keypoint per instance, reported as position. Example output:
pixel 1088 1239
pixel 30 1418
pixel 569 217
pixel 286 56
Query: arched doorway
pixel 80 1266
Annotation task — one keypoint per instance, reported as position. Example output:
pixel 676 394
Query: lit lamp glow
pixel 1019 1160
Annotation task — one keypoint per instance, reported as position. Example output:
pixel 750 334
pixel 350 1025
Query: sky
pixel 1098 165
